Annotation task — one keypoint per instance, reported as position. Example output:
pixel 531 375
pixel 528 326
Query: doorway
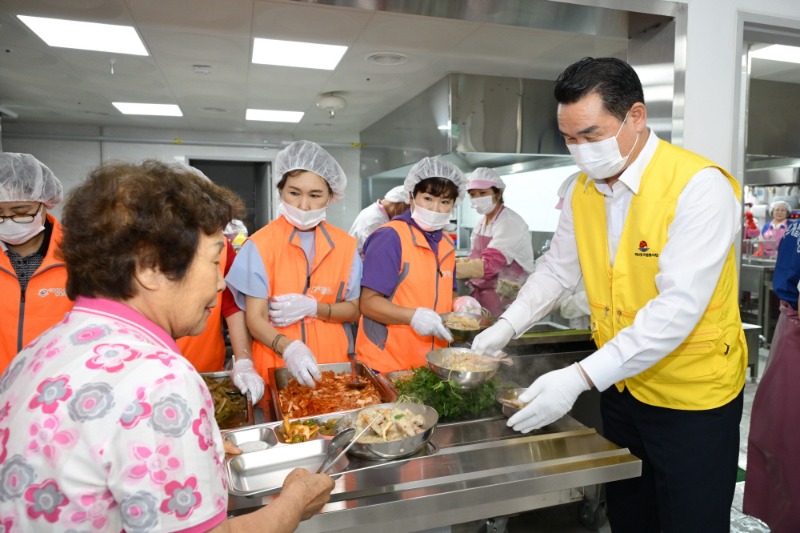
pixel 249 179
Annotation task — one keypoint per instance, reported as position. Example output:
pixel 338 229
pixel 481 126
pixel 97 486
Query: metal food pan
pixel 279 378
pixel 247 417
pixel 263 472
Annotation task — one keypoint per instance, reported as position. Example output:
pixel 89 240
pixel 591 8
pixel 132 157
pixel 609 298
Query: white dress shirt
pixel 707 220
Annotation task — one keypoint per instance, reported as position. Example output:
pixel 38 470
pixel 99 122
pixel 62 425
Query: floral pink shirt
pixel 104 426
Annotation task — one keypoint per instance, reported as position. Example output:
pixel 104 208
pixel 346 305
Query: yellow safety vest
pixel 708 369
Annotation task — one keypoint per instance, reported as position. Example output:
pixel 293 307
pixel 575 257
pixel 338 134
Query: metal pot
pixel 466 335
pixel 397 449
pixel 468 380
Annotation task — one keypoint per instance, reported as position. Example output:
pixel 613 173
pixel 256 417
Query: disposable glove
pixel 469 268
pixel 287 309
pixel 246 379
pixel 551 396
pixel 302 364
pixel 493 339
pixel 426 322
pixel 466 304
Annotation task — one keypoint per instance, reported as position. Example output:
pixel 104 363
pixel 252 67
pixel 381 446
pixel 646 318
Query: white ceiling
pixel 57 85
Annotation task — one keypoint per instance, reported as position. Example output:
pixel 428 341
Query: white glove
pixel 466 304
pixel 301 363
pixel 426 322
pixel 493 339
pixel 287 309
pixel 551 396
pixel 246 379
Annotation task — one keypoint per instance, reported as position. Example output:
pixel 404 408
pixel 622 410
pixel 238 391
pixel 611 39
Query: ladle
pixel 355 382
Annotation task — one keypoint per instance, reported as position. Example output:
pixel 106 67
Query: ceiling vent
pixel 387 59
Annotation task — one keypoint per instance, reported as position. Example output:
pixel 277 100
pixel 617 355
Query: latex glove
pixel 466 304
pixel 246 378
pixel 302 364
pixel 469 268
pixel 426 322
pixel 492 340
pixel 287 309
pixel 551 396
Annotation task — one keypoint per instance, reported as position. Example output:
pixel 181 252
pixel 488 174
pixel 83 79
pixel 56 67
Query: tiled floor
pixel 564 518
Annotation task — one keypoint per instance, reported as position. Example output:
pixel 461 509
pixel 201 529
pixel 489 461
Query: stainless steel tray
pixel 263 471
pixel 279 378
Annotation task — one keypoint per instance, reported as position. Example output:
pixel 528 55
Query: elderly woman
pixel 298 277
pixel 112 428
pixel 409 268
pixel 775 228
pixel 32 278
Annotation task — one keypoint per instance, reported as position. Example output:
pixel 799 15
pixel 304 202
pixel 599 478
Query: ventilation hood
pixel 508 124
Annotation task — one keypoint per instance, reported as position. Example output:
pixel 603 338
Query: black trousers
pixel 689 462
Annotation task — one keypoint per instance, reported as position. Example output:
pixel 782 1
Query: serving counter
pixel 470 471
pixel 481 469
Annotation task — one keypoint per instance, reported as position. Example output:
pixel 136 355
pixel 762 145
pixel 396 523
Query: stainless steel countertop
pixel 478 469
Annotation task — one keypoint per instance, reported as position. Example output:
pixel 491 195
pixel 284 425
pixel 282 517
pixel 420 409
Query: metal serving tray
pixel 263 471
pixel 247 417
pixel 279 378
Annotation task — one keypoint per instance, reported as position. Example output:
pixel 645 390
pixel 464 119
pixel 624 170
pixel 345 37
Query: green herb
pixel 398 417
pixel 451 401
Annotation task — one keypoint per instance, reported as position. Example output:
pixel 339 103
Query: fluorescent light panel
pixel 273 115
pixel 778 52
pixel 86 35
pixel 297 54
pixel 164 110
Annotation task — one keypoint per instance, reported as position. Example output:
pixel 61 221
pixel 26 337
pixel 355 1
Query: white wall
pixel 72 160
pixel 713 122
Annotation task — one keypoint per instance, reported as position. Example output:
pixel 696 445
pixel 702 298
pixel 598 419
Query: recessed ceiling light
pixel 778 52
pixel 166 110
pixel 387 59
pixel 86 35
pixel 297 54
pixel 272 115
pixel 215 109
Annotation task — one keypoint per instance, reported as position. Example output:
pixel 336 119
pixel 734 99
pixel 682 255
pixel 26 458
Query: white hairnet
pixel 23 178
pixel 306 155
pixel 430 167
pixel 775 204
pixel 397 194
pixel 485 178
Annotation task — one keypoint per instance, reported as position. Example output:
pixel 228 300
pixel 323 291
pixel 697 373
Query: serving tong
pixel 336 442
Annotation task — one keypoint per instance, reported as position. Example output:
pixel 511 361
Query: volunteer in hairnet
pixel 773 230
pixel 32 277
pixel 207 350
pixel 651 227
pixel 375 215
pixel 299 278
pixel 408 273
pixel 501 253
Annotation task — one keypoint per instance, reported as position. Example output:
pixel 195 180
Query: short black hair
pixel 613 79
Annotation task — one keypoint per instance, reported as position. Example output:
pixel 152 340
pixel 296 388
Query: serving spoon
pixel 355 382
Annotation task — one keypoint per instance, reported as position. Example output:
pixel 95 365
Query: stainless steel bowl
pixel 466 335
pixel 468 380
pixel 397 449
pixel 505 396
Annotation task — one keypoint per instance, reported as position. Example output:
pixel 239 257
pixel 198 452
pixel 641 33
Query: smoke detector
pixel 332 103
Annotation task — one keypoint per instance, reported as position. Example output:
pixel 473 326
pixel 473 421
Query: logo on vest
pixel 55 291
pixel 644 250
pixel 320 290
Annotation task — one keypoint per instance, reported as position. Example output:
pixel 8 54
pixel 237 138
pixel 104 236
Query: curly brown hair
pixel 127 216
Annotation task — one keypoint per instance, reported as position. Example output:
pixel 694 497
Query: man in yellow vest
pixel 650 227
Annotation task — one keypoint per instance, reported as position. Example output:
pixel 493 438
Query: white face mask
pixel 302 220
pixel 14 233
pixel 602 159
pixel 483 204
pixel 429 220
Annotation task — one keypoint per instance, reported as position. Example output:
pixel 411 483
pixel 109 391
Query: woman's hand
pixel 301 363
pixel 287 309
pixel 312 490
